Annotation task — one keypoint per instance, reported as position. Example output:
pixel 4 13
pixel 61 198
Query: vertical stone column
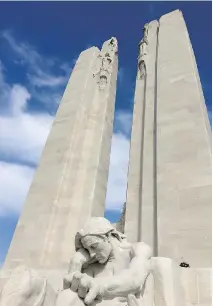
pixel 183 149
pixel 140 206
pixel 71 180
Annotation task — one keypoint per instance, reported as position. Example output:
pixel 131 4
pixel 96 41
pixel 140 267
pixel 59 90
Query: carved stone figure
pixel 141 70
pixel 144 41
pixel 142 48
pixel 145 32
pixel 143 52
pixel 104 65
pixel 113 45
pixel 106 269
pixel 104 71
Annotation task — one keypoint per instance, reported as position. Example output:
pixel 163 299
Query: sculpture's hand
pixel 96 291
pixel 84 285
pixel 76 281
pixel 79 259
pixel 67 280
pixel 79 282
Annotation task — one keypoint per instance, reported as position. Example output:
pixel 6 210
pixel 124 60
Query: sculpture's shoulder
pixel 142 249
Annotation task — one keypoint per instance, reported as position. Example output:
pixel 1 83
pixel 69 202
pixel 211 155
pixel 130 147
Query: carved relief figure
pixel 113 45
pixel 105 63
pixel 104 71
pixel 145 32
pixel 143 52
pixel 144 42
pixel 141 69
pixel 106 269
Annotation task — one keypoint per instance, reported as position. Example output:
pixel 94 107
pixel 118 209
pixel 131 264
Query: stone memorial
pixel 159 254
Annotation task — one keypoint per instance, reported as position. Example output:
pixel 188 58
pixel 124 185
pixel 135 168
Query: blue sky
pixel 39 44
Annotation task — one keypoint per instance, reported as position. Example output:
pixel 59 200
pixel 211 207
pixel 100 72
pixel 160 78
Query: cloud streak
pixel 46 77
pixel 14 184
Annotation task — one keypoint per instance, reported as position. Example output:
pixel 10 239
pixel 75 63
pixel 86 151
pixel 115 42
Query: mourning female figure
pixel 106 269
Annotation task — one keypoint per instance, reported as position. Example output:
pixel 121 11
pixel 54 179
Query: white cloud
pixel 18 98
pixel 47 80
pixel 123 122
pixel 25 54
pixel 116 191
pixel 46 77
pixel 14 184
pixel 22 135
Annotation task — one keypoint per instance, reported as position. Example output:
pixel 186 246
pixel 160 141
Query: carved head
pixel 146 26
pixel 99 247
pixel 113 44
pixel 96 238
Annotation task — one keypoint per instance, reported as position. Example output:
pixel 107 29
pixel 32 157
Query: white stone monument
pixel 64 253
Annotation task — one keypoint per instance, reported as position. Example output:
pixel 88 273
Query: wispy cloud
pixel 46 80
pixel 22 135
pixel 14 184
pixel 46 76
pixel 123 122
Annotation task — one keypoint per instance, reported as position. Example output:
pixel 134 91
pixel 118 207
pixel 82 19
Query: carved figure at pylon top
pixel 113 45
pixel 145 32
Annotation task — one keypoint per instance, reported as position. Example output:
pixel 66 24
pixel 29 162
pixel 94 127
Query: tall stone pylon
pixel 169 180
pixel 71 180
pixel 140 204
pixel 184 172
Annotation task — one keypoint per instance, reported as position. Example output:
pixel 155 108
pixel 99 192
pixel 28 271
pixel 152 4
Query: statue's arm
pixel 79 259
pixel 131 280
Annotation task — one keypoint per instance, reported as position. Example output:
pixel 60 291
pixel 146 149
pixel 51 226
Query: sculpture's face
pixel 98 247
